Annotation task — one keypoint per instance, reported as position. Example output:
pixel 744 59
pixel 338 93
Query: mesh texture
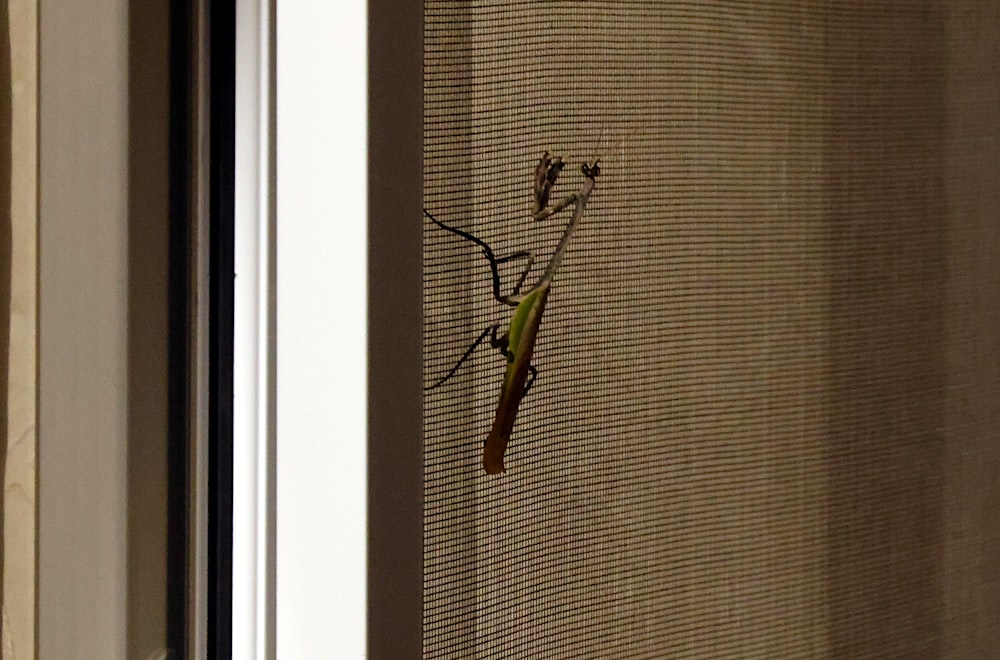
pixel 764 423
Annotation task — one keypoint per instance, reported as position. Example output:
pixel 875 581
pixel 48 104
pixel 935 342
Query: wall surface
pixel 82 328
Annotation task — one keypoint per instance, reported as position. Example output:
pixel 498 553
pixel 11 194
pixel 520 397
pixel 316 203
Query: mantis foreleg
pixel 546 174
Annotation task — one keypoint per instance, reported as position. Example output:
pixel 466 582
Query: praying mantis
pixel 518 344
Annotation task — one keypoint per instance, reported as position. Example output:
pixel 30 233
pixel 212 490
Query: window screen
pixel 764 420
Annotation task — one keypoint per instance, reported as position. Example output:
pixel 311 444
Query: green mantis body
pixel 521 337
pixel 518 343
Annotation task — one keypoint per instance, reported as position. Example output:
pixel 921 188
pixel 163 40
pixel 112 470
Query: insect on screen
pixel 758 367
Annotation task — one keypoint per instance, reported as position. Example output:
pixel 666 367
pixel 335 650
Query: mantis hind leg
pixel 523 254
pixel 498 342
pixel 501 343
pixel 490 330
pixel 494 261
pixel 531 381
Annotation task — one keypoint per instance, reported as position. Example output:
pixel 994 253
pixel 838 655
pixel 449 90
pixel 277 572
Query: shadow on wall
pixel 887 219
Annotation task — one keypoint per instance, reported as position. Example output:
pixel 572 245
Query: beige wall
pixel 85 249
pixel 102 331
pixel 19 484
pixel 82 328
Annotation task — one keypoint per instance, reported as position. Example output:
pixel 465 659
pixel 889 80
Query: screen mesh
pixel 764 422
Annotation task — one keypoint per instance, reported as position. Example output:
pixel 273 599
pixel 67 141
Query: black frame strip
pixel 222 73
pixel 395 298
pixel 180 318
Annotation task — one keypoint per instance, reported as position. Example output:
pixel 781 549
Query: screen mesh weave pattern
pixel 764 422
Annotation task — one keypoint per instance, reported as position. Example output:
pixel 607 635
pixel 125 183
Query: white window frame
pixel 299 569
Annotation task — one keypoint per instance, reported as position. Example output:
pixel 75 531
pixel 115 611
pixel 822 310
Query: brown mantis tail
pixel 496 442
pixel 496 446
